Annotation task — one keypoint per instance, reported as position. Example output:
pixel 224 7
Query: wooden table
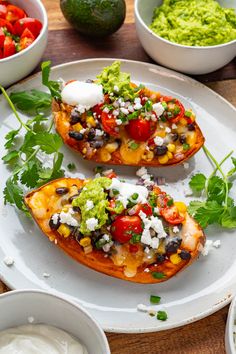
pixel 202 337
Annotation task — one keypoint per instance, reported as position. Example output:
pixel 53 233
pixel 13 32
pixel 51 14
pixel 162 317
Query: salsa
pixel 17 30
pixel 194 22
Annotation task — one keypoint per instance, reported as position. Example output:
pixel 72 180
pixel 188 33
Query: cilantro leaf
pixel 216 189
pixel 31 102
pixel 48 142
pixel 13 193
pixel 194 206
pixel 30 176
pixel 10 156
pixel 53 86
pixel 228 220
pixel 10 137
pixel 198 182
pixel 209 213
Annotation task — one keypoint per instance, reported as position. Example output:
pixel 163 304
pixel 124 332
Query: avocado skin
pixel 94 18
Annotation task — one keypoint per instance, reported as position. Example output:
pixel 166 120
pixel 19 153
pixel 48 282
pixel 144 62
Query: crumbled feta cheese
pixel 174 126
pixel 153 117
pixel 107 246
pixel 146 250
pixel 175 229
pixel 89 205
pixel 46 275
pixel 188 191
pixel 146 270
pixel 216 244
pixel 30 319
pixel 9 261
pixel 106 237
pixel 107 172
pixel 186 165
pixel 131 108
pixel 106 110
pixel 168 130
pixel 119 121
pixel 124 110
pixel 137 100
pixel 55 218
pixel 158 141
pixel 142 308
pixel 81 109
pixel 91 224
pixel 97 175
pixel 98 132
pixel 115 112
pixel 67 218
pixel 122 104
pixel 137 106
pixel 116 88
pixel 207 248
pixel 142 171
pixel 82 131
pixel 158 109
pixel 156 210
pixel 151 223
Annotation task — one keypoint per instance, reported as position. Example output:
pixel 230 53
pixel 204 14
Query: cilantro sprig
pixel 25 158
pixel 218 206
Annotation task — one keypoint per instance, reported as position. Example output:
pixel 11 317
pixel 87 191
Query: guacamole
pixel 93 192
pixel 194 22
pixel 116 82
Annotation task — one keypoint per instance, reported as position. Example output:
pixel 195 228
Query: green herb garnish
pixel 158 275
pixel 186 147
pixel 136 238
pixel 71 166
pixel 53 86
pixel 188 114
pixel 162 315
pixel 217 207
pixel 170 202
pixel 134 196
pixel 154 299
pixel 31 102
pixel 133 145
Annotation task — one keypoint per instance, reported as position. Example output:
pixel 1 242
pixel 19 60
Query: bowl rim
pixel 230 325
pixel 15 293
pixel 43 31
pixel 138 16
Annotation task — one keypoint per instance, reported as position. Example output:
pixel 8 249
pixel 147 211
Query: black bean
pixel 76 233
pixel 191 127
pixel 62 190
pixel 161 150
pixel 185 255
pixel 74 117
pixel 173 245
pixel 106 136
pixel 70 200
pixel 97 144
pixel 52 225
pixel 91 134
pixel 160 258
pixel 182 139
pixel 76 135
pixel 76 209
pixel 174 136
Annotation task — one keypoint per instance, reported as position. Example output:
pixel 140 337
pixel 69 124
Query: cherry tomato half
pixel 109 124
pixel 124 227
pixel 14 13
pixel 32 24
pixel 2 38
pixel 9 47
pixel 7 24
pixel 140 129
pixel 171 215
pixel 145 208
pixel 3 11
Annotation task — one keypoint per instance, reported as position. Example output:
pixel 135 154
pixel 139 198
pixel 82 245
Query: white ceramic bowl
pixel 19 65
pixel 17 306
pixel 186 59
pixel 229 337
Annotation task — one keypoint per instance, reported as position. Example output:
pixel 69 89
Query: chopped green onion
pixel 89 113
pixel 186 146
pixel 71 166
pixel 134 196
pixel 136 238
pixel 176 110
pixel 164 105
pixel 169 114
pixel 100 243
pixel 163 119
pixel 98 169
pixel 148 106
pixel 154 299
pixel 162 315
pixel 158 275
pixel 115 191
pixel 133 145
pixel 170 202
pixel 133 115
pixel 188 114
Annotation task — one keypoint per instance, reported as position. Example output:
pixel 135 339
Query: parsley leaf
pixel 198 182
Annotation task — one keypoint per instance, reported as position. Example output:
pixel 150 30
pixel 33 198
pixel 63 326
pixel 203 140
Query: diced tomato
pixel 145 208
pixel 140 129
pixel 14 13
pixel 3 11
pixel 172 215
pixel 133 248
pixel 1 53
pixel 27 34
pixel 2 38
pixel 112 205
pixel 111 175
pixel 25 42
pixel 32 24
pixel 173 103
pixel 109 124
pixel 7 24
pixel 9 47
pixel 98 109
pixel 3 2
pixel 124 227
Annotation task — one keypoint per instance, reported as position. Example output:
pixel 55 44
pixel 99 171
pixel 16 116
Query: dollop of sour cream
pixel 81 93
pixel 39 339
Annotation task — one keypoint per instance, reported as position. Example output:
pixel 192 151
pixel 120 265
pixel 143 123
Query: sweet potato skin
pixel 62 126
pixel 42 198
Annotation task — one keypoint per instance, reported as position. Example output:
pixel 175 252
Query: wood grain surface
pixel 65 44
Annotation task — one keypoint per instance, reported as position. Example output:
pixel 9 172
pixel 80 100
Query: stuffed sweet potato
pixel 119 229
pixel 113 121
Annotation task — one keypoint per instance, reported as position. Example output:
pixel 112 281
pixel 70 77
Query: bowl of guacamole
pixel 191 36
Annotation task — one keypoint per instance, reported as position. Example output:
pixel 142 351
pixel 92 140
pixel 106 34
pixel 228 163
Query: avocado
pixel 94 18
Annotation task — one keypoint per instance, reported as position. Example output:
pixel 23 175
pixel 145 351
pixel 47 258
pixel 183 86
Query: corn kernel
pixel 85 242
pixel 163 159
pixel 64 230
pixel 148 156
pixel 65 208
pixel 84 151
pixel 175 258
pixel 91 121
pixel 105 155
pixel 183 121
pixel 181 207
pixel 161 133
pixel 170 155
pixel 191 138
pixel 77 127
pixel 161 248
pixel 171 147
pixel 88 249
pixel 111 147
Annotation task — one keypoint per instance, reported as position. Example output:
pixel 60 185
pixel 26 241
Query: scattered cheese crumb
pixel 89 205
pixel 168 130
pixel 30 319
pixel 174 126
pixel 142 308
pixel 9 261
pixel 46 275
pixel 158 109
pixel 216 244
pixel 175 229
pixel 91 224
pixel 209 245
pixel 142 171
pixel 186 165
pixel 118 121
pixel 55 218
pixel 158 141
pixel 146 270
pixel 116 88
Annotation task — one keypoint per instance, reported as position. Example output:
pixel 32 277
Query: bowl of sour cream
pixel 35 321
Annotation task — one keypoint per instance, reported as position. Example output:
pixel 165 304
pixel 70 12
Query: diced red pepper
pixel 9 47
pixel 32 24
pixel 133 248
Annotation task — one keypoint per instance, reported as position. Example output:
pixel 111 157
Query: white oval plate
pixel 201 289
